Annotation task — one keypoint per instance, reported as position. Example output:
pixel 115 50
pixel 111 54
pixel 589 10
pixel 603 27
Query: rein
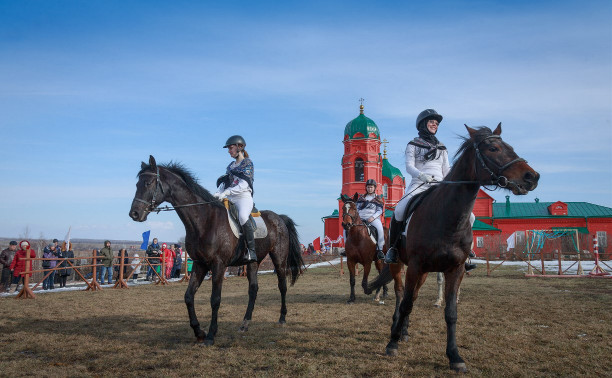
pixel 158 186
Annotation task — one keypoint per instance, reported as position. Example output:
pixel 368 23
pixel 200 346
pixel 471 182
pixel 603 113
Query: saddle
pixel 259 226
pixel 260 230
pixel 372 231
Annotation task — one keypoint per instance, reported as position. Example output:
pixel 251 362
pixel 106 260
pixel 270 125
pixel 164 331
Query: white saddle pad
pixel 261 232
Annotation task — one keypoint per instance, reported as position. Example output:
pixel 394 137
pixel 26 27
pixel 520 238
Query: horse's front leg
pixel 253 288
pixel 350 265
pixel 197 275
pixel 217 276
pixel 402 316
pixel 453 280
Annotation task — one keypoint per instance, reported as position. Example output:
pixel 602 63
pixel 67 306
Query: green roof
pixel 390 171
pixel 540 210
pixel 363 125
pixel 482 226
pixel 388 213
pixel 335 214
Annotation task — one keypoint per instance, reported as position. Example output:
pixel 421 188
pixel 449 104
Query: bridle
pixel 496 177
pixel 151 206
pixel 158 188
pixel 346 225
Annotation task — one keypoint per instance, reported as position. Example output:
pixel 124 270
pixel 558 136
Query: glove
pixel 425 177
pixel 221 195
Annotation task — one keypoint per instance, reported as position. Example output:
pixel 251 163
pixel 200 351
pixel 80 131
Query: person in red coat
pixel 168 256
pixel 19 263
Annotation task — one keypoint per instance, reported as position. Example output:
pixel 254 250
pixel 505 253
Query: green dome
pixel 363 125
pixel 390 171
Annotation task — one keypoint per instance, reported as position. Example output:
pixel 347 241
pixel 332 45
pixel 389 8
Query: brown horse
pixel 359 248
pixel 210 241
pixel 439 234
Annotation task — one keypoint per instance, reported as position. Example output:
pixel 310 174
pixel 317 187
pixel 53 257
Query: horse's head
pixel 150 191
pixel 498 164
pixel 350 216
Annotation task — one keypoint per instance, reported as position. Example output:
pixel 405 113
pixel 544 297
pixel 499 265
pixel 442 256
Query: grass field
pixel 508 326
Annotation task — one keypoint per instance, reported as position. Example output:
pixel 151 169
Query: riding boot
pixel 394 233
pixel 469 267
pixel 379 254
pixel 250 255
pixel 471 254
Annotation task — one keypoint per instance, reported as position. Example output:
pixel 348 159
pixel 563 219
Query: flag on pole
pixel 317 244
pixel 67 239
pixel 145 239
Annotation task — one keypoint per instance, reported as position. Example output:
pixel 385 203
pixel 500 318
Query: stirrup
pixel 469 267
pixel 250 256
pixel 391 257
pixel 380 255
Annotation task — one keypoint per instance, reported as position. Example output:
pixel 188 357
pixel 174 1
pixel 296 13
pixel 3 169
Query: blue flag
pixel 145 239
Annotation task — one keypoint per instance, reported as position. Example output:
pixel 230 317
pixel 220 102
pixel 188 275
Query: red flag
pixel 317 244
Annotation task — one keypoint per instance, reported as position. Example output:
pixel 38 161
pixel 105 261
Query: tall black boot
pixel 250 255
pixel 394 236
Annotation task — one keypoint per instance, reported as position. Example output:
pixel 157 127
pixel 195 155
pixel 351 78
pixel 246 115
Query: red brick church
pixel 495 222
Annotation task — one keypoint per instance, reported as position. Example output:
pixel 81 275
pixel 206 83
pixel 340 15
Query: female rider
pixel 426 162
pixel 370 208
pixel 237 186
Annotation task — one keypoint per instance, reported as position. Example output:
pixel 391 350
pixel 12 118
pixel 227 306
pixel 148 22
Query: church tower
pixel 360 162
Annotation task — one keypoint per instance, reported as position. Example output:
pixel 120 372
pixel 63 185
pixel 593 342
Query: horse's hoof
pixel 282 324
pixel 350 301
pixel 459 367
pixel 244 327
pixel 405 338
pixel 392 352
pixel 437 305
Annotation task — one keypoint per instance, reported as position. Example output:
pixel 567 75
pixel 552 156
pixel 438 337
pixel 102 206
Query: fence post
pixel 26 292
pixel 93 285
pixel 186 276
pixel 121 284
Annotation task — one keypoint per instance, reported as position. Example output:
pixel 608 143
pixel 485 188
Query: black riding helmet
pixel 235 139
pixel 371 182
pixel 426 115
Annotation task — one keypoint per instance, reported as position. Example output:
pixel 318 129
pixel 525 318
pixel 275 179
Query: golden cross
pixel 385 142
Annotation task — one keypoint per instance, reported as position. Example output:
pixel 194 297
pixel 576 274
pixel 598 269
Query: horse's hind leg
pixel 453 280
pixel 197 275
pixel 281 274
pixel 253 289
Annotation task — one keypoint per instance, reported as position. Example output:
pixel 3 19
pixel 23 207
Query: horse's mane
pixel 190 180
pixel 481 133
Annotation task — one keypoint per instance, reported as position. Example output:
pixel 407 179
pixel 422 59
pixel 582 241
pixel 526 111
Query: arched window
pixel 385 191
pixel 359 170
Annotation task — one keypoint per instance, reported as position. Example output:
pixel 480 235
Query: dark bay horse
pixel 359 248
pixel 210 241
pixel 439 235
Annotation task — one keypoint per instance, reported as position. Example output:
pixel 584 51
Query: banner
pixel 67 239
pixel 145 239
pixel 317 244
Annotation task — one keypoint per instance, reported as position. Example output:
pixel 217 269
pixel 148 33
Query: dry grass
pixel 508 326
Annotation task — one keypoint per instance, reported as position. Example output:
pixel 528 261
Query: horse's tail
pixel 295 263
pixel 384 277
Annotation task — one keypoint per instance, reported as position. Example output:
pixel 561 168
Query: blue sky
pixel 88 89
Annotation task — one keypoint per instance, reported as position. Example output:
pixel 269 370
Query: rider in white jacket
pixel 237 186
pixel 370 208
pixel 426 162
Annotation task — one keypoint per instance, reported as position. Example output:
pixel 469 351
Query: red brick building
pixel 495 222
pixel 362 161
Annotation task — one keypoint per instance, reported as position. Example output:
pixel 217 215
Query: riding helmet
pixel 235 139
pixel 428 114
pixel 371 182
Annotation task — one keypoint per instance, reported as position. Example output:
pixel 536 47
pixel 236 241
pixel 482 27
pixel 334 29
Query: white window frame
pixel 479 241
pixel 602 238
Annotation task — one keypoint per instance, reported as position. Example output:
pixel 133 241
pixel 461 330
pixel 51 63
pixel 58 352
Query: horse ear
pixel 343 197
pixel 152 162
pixel 355 197
pixel 470 130
pixel 497 129
pixel 143 165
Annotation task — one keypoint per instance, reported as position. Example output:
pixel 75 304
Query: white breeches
pixel 381 234
pixel 244 203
